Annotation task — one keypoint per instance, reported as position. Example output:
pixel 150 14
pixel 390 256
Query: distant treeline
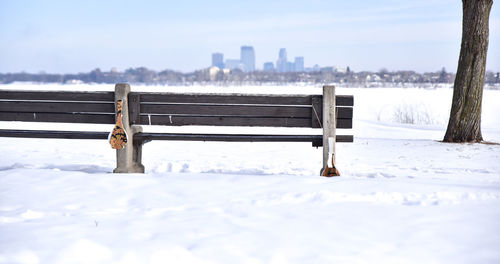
pixel 235 77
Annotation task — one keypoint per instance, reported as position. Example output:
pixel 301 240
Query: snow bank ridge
pixel 393 198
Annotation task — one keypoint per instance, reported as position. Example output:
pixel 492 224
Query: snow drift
pixel 403 197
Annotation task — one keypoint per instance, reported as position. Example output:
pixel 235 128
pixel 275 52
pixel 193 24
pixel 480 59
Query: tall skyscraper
pixel 248 58
pixel 282 63
pixel 299 64
pixel 218 60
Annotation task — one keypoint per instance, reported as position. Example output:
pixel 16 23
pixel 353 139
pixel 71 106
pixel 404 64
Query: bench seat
pixel 316 140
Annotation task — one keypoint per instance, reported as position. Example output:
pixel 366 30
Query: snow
pixel 403 197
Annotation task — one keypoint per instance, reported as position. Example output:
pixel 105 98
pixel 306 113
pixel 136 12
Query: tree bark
pixel 464 124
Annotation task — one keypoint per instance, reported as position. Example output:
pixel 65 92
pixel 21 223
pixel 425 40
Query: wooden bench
pixel 326 112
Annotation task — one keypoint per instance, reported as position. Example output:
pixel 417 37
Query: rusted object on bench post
pixel 329 126
pixel 128 159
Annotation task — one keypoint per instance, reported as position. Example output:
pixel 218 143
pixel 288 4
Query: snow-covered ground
pixel 403 197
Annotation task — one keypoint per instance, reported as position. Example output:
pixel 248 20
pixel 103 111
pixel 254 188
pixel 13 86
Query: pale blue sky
pixel 61 36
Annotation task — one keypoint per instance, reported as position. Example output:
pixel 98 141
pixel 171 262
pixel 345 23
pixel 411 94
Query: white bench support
pixel 128 159
pixel 329 123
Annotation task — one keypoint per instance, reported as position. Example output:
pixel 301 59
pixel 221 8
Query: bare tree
pixel 464 124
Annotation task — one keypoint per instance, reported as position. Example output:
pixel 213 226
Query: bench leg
pixel 329 125
pixel 137 155
pixel 128 159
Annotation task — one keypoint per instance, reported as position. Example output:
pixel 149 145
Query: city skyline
pixel 246 63
pixel 78 36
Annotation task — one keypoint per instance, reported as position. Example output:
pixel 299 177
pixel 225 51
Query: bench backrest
pixel 234 110
pixel 58 106
pixel 173 109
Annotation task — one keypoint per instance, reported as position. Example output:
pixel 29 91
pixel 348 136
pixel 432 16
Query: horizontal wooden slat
pixel 144 136
pixel 223 121
pixel 53 134
pixel 232 121
pixel 225 137
pixel 225 99
pixel 233 110
pixel 57 95
pixel 341 100
pixel 236 110
pixel 59 118
pixel 317 140
pixel 56 107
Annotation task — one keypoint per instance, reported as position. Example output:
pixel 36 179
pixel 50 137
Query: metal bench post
pixel 128 159
pixel 329 121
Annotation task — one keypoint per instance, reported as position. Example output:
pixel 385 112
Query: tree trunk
pixel 464 124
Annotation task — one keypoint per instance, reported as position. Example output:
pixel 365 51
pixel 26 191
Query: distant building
pixel 247 58
pixel 326 69
pixel 340 69
pixel 218 60
pixel 234 64
pixel 213 72
pixel 282 63
pixel 299 64
pixel 268 67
